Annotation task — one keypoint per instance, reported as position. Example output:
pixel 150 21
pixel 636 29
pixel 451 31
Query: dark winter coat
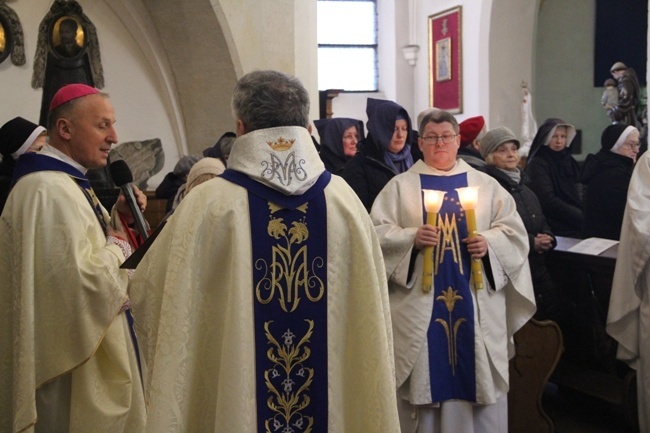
pixel 531 214
pixel 472 157
pixel 7 166
pixel 606 176
pixel 168 189
pixel 554 177
pixel 368 172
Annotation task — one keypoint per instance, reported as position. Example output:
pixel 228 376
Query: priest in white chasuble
pixel 67 359
pixel 453 328
pixel 628 316
pixel 262 306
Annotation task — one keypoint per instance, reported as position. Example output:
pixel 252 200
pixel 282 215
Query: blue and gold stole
pixel 33 162
pixel 289 256
pixel 451 332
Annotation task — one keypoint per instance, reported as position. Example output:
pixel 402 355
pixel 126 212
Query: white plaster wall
pixel 259 34
pixel 278 34
pixel 409 85
pixel 130 81
pixel 475 32
pixel 511 39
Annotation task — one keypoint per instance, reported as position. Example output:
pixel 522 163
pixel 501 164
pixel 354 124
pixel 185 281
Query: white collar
pixel 57 154
pixel 283 158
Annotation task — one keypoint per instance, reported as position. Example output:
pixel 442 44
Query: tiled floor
pixel 577 413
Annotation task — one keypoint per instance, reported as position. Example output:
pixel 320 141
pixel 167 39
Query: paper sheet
pixel 592 246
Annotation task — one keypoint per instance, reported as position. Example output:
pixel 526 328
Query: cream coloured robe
pixel 499 311
pixel 628 318
pixel 60 299
pixel 193 303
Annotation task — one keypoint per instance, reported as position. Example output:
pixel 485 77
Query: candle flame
pixel 468 197
pixel 433 199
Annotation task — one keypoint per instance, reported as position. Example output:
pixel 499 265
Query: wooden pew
pixel 155 211
pixel 589 363
pixel 538 346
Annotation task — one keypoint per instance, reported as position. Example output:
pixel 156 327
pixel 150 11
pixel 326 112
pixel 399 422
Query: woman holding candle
pixel 452 338
pixel 554 176
pixel 500 148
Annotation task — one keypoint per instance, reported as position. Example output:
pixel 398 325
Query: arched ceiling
pixel 201 65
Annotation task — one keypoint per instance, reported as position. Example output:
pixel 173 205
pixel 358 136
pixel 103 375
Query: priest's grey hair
pixel 267 99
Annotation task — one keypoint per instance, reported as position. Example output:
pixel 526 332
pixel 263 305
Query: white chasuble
pixel 62 332
pixel 628 318
pixel 499 309
pixel 231 316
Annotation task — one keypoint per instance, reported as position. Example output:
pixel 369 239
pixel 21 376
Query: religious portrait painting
pixel 12 40
pixel 7 37
pixel 68 36
pixel 4 49
pixel 445 60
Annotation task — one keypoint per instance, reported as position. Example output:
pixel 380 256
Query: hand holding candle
pixel 468 197
pixel 432 204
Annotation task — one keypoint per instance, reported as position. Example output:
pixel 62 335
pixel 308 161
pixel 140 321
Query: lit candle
pixel 432 204
pixel 468 197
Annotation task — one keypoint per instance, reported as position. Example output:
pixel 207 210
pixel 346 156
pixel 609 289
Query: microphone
pixel 122 177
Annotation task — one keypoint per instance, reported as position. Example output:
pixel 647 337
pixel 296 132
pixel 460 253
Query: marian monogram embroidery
pixel 289 293
pixel 290 272
pixel 285 171
pixel 451 337
pixel 449 239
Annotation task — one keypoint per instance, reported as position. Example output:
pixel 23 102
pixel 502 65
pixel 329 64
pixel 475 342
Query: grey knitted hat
pixel 495 138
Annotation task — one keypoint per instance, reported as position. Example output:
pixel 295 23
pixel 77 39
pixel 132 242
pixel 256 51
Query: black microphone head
pixel 120 172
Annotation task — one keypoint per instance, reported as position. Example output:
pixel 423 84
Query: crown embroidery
pixel 281 143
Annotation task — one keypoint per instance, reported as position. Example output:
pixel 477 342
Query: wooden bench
pixel 538 346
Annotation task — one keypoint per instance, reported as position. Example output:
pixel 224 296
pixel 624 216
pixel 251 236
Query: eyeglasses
pixel 433 139
pixel 632 146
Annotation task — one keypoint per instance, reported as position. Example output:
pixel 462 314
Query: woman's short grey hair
pixel 266 99
pixel 439 116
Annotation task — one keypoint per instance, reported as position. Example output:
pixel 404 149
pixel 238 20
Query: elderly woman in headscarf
pixel 386 151
pixel 338 141
pixel 606 176
pixel 17 137
pixel 554 176
pixel 500 149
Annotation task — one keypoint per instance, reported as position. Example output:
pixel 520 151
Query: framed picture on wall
pixel 68 37
pixel 445 60
pixel 6 39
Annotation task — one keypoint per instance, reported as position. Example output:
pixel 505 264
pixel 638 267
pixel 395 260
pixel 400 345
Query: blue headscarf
pixel 382 115
pixel 331 133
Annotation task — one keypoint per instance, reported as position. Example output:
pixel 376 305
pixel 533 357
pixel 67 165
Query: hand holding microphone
pixel 122 177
